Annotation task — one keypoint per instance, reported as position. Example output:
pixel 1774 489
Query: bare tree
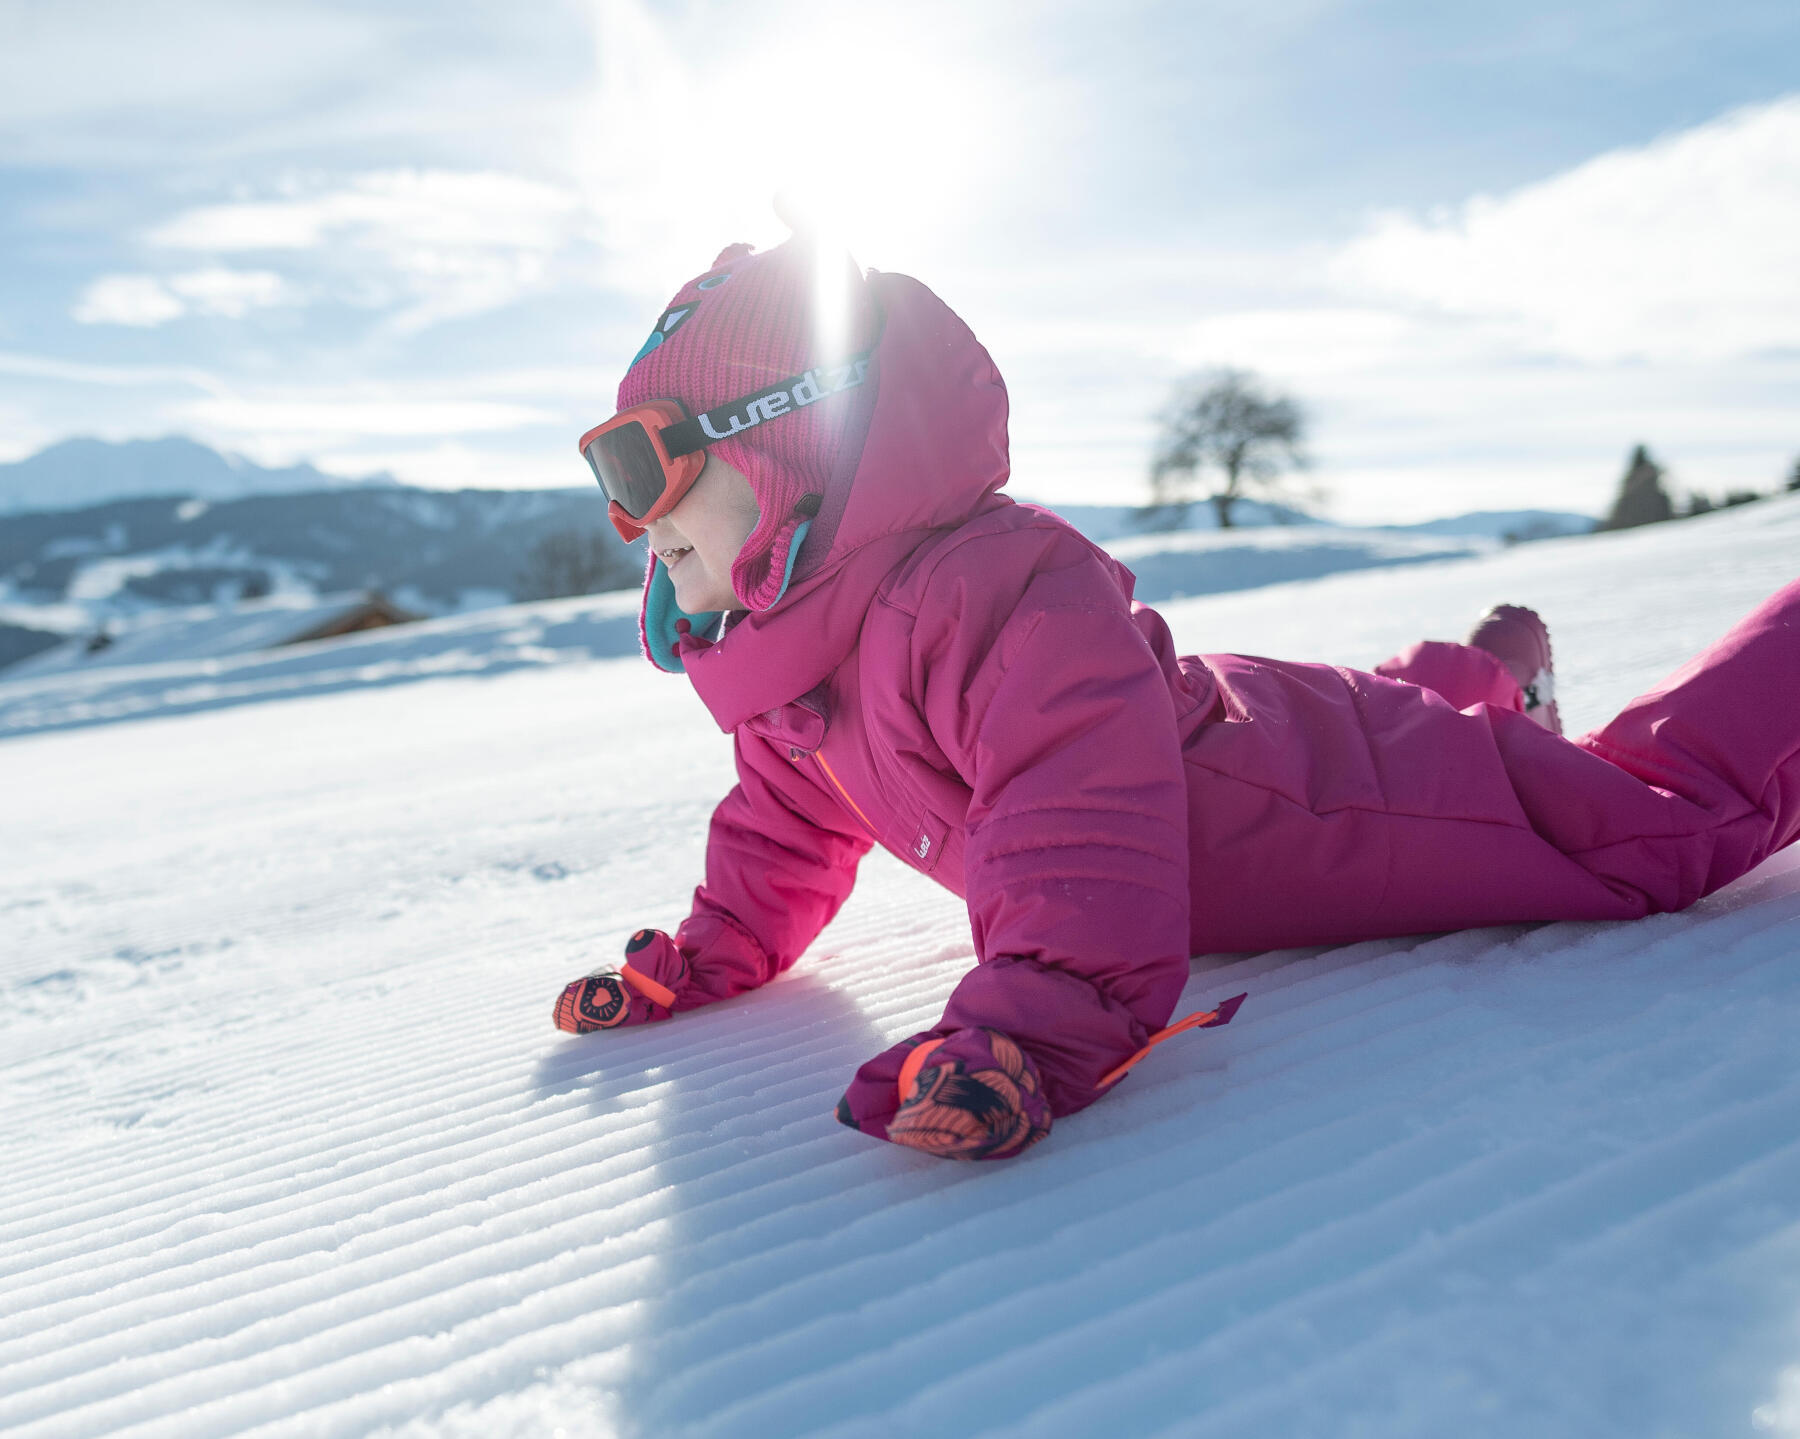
pixel 573 562
pixel 1225 421
pixel 1793 479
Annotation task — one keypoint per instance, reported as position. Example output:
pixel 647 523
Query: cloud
pixel 389 210
pixel 327 420
pixel 77 372
pixel 1315 342
pixel 129 91
pixel 1685 248
pixel 115 71
pixel 137 300
pixel 432 244
pixel 145 301
pixel 231 293
pixel 455 465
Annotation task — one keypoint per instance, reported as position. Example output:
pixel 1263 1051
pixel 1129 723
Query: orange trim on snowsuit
pixel 838 785
pixel 1202 1020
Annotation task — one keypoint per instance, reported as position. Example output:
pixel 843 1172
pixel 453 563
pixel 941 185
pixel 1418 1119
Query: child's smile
pixel 699 540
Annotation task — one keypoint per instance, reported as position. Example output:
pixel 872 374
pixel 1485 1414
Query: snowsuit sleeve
pixel 779 863
pixel 1052 706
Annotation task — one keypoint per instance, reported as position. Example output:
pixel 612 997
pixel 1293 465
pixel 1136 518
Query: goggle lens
pixel 630 471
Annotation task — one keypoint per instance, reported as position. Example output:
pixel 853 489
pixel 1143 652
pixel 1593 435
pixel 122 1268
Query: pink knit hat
pixel 751 321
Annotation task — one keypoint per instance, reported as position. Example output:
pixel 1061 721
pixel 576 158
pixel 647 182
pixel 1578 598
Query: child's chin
pixel 701 599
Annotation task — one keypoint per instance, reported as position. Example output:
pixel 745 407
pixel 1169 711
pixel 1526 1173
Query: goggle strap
pixel 747 411
pixel 684 439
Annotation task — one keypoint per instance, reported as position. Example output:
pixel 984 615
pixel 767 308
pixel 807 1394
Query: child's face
pixel 700 538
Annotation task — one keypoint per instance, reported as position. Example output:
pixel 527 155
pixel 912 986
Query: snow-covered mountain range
pixel 79 472
pixel 185 539
pixel 434 550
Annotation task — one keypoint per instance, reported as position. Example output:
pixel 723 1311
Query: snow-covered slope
pixel 171 637
pixel 487 642
pixel 1208 562
pixel 292 1149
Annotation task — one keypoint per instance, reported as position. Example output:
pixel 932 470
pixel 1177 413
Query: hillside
pixel 435 550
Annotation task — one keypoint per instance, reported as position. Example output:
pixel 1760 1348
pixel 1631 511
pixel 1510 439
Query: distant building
pixel 373 611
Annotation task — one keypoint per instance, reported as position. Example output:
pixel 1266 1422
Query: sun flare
pixel 881 142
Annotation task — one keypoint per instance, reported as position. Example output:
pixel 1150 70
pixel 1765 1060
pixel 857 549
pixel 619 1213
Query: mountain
pixel 433 550
pixel 81 472
pixel 1510 526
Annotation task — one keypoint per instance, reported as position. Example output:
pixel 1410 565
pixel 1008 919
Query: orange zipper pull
pixel 648 987
pixel 1205 1019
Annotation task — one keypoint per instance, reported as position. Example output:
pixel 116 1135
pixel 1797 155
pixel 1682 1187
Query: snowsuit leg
pixel 1461 674
pixel 1328 805
pixel 1721 737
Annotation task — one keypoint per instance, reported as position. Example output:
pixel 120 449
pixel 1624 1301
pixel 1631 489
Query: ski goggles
pixel 648 456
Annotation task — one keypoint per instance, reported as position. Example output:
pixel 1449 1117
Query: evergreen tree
pixel 1642 499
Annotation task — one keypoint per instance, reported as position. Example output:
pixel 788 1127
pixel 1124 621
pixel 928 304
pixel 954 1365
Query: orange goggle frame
pixel 646 458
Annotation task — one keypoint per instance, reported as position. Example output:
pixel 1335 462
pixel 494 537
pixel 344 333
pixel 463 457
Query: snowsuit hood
pixel 924 449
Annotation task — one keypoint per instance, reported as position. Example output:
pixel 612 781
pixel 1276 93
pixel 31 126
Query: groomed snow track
pixel 291 1148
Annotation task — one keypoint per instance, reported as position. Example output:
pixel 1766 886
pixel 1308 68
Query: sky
pixel 1488 249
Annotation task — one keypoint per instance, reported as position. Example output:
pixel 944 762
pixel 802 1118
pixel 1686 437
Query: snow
pixel 202 632
pixel 292 1148
pixel 55 692
pixel 1203 562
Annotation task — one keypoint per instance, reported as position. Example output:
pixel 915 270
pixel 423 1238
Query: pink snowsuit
pixel 966 681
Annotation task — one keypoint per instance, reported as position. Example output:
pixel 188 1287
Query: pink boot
pixel 1517 638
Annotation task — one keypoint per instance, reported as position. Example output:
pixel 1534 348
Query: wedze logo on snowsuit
pixel 783 396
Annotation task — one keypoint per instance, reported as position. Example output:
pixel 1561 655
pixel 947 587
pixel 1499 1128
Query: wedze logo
pixel 796 394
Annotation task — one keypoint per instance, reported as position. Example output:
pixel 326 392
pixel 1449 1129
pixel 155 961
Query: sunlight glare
pixel 888 145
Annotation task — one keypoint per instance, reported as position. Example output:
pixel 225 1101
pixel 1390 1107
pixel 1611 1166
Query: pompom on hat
pixel 754 320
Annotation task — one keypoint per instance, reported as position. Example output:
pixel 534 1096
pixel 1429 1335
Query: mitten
pixel 970 1094
pixel 639 991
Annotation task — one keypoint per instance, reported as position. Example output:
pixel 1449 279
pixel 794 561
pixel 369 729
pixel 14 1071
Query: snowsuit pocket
pixel 927 843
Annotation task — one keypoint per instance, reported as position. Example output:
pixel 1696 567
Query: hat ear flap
pixel 761 575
